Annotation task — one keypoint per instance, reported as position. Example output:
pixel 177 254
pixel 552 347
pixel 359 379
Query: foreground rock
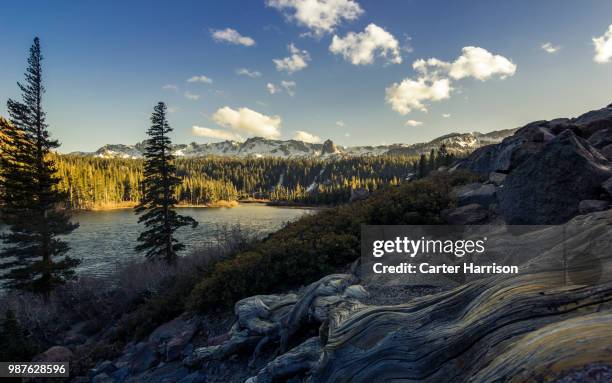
pixel 278 322
pixel 528 327
pixel 538 325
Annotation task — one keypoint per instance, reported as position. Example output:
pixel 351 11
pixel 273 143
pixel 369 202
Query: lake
pixel 105 239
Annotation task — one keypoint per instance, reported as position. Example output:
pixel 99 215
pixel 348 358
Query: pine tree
pixel 422 166
pixel 158 201
pixel 443 155
pixel 432 160
pixel 36 257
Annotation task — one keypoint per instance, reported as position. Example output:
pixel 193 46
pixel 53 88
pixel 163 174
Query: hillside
pixel 457 143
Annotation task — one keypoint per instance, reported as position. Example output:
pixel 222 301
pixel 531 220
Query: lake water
pixel 105 239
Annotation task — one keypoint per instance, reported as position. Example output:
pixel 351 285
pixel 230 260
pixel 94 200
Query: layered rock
pixel 278 322
pixel 534 326
pixel 551 321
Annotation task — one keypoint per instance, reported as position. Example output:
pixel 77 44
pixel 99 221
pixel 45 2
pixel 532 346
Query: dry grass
pixel 102 302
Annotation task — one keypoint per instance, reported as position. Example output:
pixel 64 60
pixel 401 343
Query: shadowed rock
pixel 483 195
pixel 471 214
pixel 592 205
pixel 548 188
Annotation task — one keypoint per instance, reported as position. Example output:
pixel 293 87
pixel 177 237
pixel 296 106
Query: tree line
pixel 93 182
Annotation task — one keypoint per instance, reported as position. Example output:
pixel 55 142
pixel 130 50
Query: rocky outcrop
pixel 511 152
pixel 296 361
pixel 155 359
pixel 472 214
pixel 592 205
pixel 173 338
pixel 548 188
pixel 55 354
pixel 607 186
pixel 481 194
pixel 601 138
pixel 279 322
pixel 546 168
pixel 497 178
pixel 596 126
pixel 329 147
pixel 534 326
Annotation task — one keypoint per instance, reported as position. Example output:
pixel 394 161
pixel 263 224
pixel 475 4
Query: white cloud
pixel 360 48
pixel 171 87
pixel 550 48
pixel 173 109
pixel 285 86
pixel 340 124
pixel 297 61
pixel 603 47
pixel 301 135
pixel 247 72
pixel 289 87
pixel 347 134
pixel 215 133
pixel 434 80
pixel 192 96
pixel 446 115
pixel 231 36
pixel 481 64
pixel 202 79
pixel 320 16
pixel 412 94
pixel 248 122
pixel 272 89
pixel 413 123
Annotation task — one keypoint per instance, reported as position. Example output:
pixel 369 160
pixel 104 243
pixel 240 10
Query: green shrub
pixel 319 244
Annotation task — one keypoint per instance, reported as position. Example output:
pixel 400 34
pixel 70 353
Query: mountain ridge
pixel 256 147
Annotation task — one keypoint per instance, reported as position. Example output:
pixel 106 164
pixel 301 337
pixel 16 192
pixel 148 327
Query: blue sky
pixel 107 64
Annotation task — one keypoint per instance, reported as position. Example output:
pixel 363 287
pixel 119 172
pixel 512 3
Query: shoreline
pixel 131 205
pixel 218 204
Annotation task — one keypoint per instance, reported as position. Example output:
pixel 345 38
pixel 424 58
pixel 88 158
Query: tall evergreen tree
pixel 36 258
pixel 158 201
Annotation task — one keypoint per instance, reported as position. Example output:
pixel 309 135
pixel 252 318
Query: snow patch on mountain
pixel 258 147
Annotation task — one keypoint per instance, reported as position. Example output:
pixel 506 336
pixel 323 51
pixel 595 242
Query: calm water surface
pixel 105 239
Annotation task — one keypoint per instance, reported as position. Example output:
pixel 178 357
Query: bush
pixel 166 296
pixel 319 244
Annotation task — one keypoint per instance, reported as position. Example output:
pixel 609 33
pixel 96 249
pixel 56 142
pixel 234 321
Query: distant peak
pixel 329 147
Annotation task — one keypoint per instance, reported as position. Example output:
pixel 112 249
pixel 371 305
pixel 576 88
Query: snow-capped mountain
pixel 261 147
